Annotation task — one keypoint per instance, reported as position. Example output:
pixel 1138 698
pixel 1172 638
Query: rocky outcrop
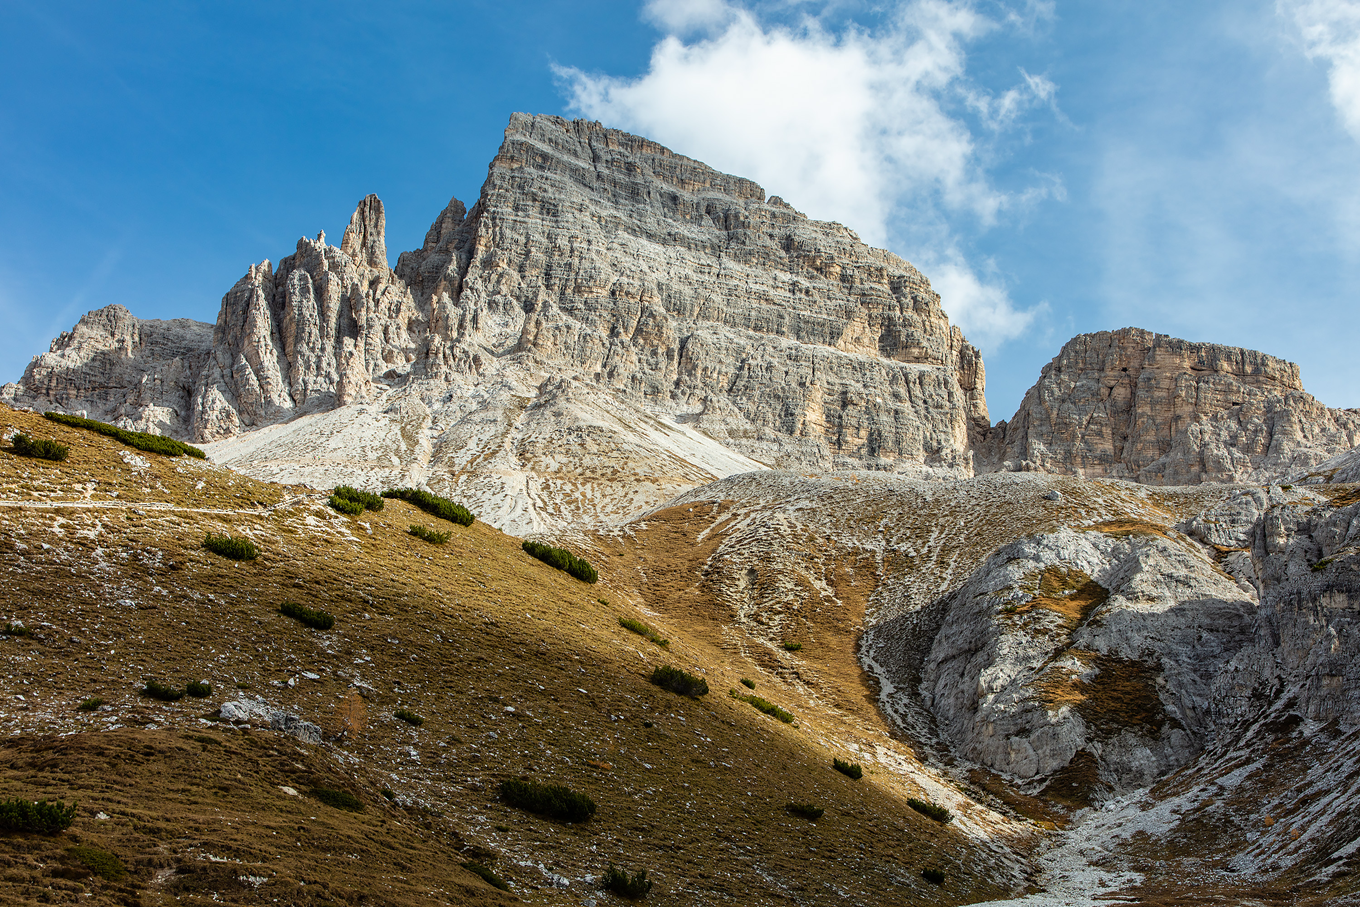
pixel 1138 405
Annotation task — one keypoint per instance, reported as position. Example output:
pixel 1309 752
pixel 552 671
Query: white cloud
pixel 1331 32
pixel 983 310
pixel 854 126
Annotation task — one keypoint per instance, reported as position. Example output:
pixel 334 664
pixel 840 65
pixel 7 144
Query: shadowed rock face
pixel 1138 405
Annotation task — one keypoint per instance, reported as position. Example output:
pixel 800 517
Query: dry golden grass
pixel 1127 527
pixel 517 668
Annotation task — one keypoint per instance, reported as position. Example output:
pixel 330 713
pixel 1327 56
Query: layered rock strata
pixel 1138 405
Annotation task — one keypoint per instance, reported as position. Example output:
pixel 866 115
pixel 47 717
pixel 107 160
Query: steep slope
pixel 1144 406
pixel 516 669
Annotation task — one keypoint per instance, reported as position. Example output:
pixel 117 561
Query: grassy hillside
pixel 516 669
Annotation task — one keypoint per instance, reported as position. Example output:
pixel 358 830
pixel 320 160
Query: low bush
pixel 229 546
pixel 409 717
pixel 555 801
pixel 678 681
pixel 18 630
pixel 366 500
pixel 337 799
pixel 807 811
pixel 38 449
pixel 488 876
pixel 748 683
pixel 793 646
pixel 349 508
pixel 154 689
pixel 429 535
pixel 933 876
pixel 641 629
pixel 764 705
pixel 933 810
pixel 39 816
pixel 198 689
pixel 100 862
pixel 634 887
pixel 848 769
pixel 89 705
pixel 563 560
pixel 308 617
pixel 433 504
pixel 139 439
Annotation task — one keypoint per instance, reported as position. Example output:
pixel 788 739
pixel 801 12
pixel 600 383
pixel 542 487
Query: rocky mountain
pixel 1137 405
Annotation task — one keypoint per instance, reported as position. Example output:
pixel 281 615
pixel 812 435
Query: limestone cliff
pixel 1144 406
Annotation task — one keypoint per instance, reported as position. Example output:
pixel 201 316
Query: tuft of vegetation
pixel 89 705
pixel 308 617
pixel 39 816
pixel 100 862
pixel 229 546
pixel 748 683
pixel 1322 564
pixel 366 500
pixel 349 508
pixel 433 504
pixel 409 717
pixel 198 689
pixel 764 705
pixel 933 876
pixel 633 887
pixel 337 799
pixel 488 876
pixel 848 769
pixel 808 811
pixel 429 535
pixel 154 689
pixel 793 646
pixel 39 449
pixel 18 630
pixel 389 794
pixel 933 810
pixel 642 629
pixel 158 444
pixel 678 681
pixel 555 801
pixel 563 560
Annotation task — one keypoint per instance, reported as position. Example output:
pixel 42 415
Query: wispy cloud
pixel 869 128
pixel 1331 32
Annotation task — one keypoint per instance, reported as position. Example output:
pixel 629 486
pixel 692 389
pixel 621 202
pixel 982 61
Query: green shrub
pixel 154 689
pixel 748 683
pixel 793 646
pixel 388 793
pixel 89 705
pixel 562 559
pixel 807 811
pixel 764 705
pixel 678 681
pixel 366 500
pixel 25 446
pixel 100 862
pixel 488 876
pixel 933 810
pixel 41 816
pixel 17 630
pixel 349 508
pixel 228 546
pixel 848 769
pixel 409 717
pixel 433 504
pixel 429 535
pixel 1322 564
pixel 555 801
pixel 139 439
pixel 933 876
pixel 337 799
pixel 309 617
pixel 641 629
pixel 198 689
pixel 634 887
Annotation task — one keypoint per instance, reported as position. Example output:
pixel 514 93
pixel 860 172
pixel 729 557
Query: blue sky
pixel 1053 167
